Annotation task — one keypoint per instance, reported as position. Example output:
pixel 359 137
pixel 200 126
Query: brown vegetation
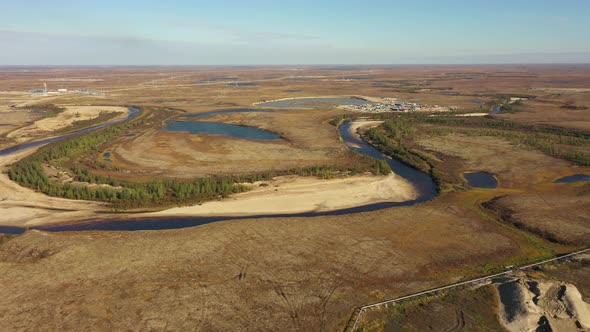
pixel 295 273
pixel 559 218
pixel 287 273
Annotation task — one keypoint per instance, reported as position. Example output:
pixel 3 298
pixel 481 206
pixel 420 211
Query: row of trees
pixel 337 121
pixel 48 110
pixel 102 117
pixel 384 141
pixel 121 194
pixel 569 144
pixel 485 122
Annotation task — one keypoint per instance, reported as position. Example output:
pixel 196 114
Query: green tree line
pixel 122 195
pixel 390 138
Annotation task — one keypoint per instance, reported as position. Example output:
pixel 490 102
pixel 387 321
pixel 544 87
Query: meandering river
pixel 425 188
pixel 133 112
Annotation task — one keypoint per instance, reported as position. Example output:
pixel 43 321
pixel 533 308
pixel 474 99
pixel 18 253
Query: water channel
pixel 423 183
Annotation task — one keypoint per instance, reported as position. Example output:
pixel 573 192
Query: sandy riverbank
pixel 355 126
pixel 282 195
pixel 24 207
pixel 294 194
pixel 63 120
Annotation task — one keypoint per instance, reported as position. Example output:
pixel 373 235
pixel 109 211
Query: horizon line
pixel 300 65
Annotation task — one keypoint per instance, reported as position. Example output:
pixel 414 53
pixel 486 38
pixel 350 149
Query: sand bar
pixel 294 194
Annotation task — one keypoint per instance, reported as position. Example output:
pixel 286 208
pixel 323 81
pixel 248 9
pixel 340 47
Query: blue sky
pixel 223 32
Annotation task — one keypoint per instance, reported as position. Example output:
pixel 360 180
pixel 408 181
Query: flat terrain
pixel 561 218
pixel 474 310
pixel 277 196
pixel 555 295
pixel 307 140
pixel 515 167
pixel 63 120
pixel 297 273
pixel 25 207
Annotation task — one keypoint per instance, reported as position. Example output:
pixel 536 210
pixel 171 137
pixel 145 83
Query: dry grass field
pixel 296 273
pixel 515 167
pixel 562 218
pixel 480 308
pixel 293 274
pixel 307 140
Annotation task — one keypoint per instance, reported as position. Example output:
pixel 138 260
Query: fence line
pixel 467 282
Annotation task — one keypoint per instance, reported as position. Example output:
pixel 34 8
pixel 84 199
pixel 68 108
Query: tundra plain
pixel 292 273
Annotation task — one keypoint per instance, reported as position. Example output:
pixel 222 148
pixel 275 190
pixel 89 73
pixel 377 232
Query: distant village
pixel 394 105
pixel 46 92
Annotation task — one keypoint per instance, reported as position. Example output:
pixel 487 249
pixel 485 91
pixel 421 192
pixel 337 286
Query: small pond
pixel 359 78
pixel 425 187
pixel 219 128
pixel 481 180
pixel 497 109
pixel 573 178
pixel 509 296
pixel 313 102
pixel 243 84
pixel 219 79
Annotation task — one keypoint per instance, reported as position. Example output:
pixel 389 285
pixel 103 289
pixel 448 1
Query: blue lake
pixel 219 79
pixel 216 128
pixel 360 78
pixel 573 178
pixel 219 128
pixel 424 184
pixel 243 84
pixel 482 180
